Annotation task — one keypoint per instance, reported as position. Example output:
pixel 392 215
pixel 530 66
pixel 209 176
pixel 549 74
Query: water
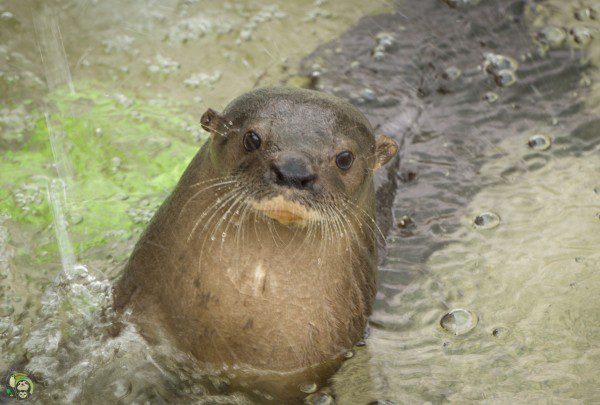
pixel 492 211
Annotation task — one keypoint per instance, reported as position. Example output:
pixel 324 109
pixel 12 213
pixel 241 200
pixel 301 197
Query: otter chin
pixel 285 211
pixel 261 264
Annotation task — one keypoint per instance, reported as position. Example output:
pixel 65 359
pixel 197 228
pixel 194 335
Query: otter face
pixel 297 151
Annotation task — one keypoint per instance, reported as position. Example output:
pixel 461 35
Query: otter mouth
pixel 284 211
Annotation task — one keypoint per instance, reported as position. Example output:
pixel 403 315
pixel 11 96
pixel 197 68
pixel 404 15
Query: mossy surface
pixel 118 156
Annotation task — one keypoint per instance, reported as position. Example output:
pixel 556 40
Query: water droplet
pixel 349 354
pixel 486 220
pixel 459 321
pixel 223 235
pixel 367 94
pixel 308 388
pixel 212 238
pixel 539 142
pixel 404 221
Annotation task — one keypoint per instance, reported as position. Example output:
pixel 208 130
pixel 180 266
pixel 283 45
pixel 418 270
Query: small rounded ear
pixel 211 120
pixel 385 149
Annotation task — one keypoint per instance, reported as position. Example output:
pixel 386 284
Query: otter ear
pixel 211 121
pixel 385 149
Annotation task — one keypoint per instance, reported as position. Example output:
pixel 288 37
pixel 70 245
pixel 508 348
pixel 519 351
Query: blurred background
pixel 489 277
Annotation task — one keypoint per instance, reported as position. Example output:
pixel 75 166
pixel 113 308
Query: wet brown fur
pixel 239 290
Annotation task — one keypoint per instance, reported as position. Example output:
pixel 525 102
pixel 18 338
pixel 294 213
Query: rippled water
pixel 491 269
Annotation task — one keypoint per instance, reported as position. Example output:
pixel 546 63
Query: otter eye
pixel 251 141
pixel 344 160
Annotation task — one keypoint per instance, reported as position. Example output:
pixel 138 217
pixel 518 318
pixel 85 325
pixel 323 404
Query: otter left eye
pixel 252 141
pixel 344 160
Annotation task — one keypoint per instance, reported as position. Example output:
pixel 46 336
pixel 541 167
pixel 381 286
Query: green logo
pixel 20 385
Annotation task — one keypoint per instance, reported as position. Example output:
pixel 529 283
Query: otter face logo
pixel 20 386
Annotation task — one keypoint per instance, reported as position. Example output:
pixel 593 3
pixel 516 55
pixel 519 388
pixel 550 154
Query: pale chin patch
pixel 284 211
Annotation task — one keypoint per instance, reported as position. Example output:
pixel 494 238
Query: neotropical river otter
pixel 262 262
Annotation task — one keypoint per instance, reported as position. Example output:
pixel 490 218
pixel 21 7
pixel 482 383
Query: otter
pixel 262 261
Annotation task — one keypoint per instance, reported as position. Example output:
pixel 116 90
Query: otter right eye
pixel 251 141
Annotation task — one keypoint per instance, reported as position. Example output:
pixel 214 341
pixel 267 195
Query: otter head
pixel 293 152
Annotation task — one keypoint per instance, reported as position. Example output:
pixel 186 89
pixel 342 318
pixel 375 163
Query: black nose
pixel 293 172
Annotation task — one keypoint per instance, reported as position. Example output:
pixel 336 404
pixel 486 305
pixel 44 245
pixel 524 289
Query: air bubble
pixel 539 142
pixel 553 37
pixel 581 35
pixel 452 73
pixel 505 78
pixel 499 332
pixel 486 220
pixel 494 63
pixel 121 388
pixel 583 14
pixel 322 399
pixel 6 310
pixel 459 321
pixel 490 97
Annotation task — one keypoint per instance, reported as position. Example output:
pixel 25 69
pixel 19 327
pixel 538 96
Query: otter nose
pixel 293 172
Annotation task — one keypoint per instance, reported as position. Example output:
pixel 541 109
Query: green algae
pixel 124 157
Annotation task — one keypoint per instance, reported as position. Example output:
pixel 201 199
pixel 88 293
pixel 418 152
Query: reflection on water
pixel 488 282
